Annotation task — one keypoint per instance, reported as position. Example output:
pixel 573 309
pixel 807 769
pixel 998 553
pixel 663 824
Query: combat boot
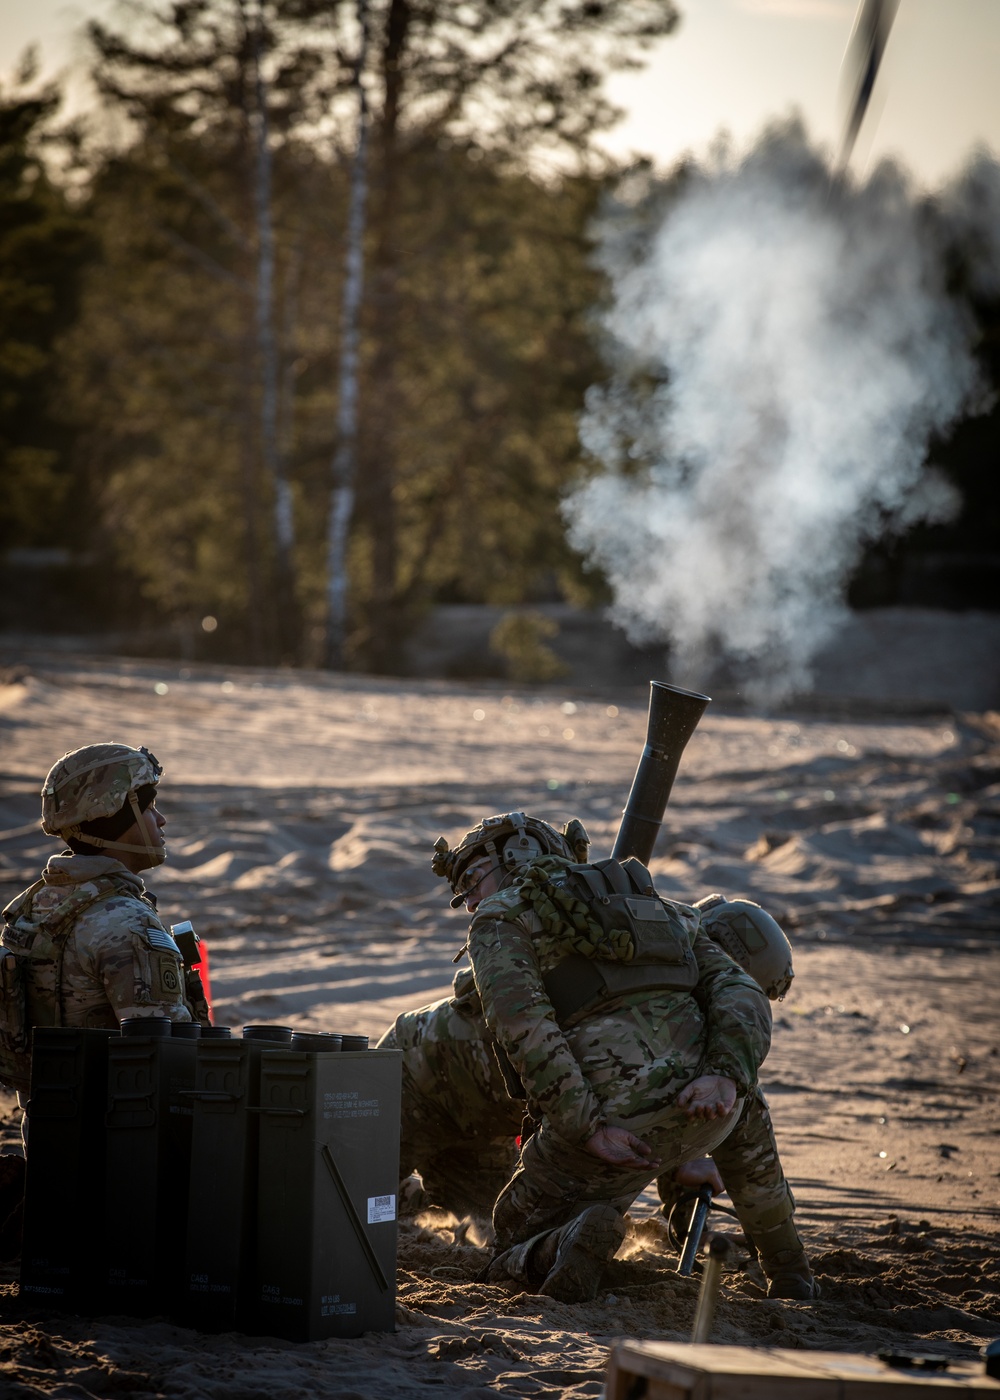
pixel 798 1285
pixel 567 1263
pixel 789 1276
pixel 583 1249
pixel 412 1197
pixel 784 1262
pixel 514 1265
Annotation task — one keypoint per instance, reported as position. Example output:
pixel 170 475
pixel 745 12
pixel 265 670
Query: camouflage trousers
pixel 458 1124
pixel 556 1180
pixel 751 1171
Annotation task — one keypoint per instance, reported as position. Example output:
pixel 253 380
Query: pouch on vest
pixel 620 895
pixel 15 1029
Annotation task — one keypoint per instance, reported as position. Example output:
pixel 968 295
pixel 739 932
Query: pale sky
pixel 734 64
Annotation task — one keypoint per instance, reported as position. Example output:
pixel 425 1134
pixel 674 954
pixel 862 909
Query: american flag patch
pixel 160 938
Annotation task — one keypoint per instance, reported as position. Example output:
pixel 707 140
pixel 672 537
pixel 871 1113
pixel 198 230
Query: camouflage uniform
pixel 118 960
pixel 624 1064
pixel 617 1061
pixel 83 945
pixel 459 1123
pixel 621 1064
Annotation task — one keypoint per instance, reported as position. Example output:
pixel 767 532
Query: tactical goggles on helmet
pixel 471 876
pixel 153 762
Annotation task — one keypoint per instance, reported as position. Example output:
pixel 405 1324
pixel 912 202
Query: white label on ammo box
pixel 381 1208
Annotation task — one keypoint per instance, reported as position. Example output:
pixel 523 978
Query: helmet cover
pixel 752 938
pixel 510 840
pixel 93 782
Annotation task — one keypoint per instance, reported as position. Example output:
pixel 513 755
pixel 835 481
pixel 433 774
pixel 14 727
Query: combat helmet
pixel 97 782
pixel 752 938
pixel 509 840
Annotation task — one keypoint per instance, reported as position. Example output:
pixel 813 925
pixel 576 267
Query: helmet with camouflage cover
pixel 752 938
pixel 508 840
pixel 95 783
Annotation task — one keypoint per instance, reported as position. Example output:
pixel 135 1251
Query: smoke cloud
pixel 782 348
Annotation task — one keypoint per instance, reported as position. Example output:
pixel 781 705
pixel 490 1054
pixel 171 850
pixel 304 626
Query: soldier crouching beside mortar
pixel 84 944
pixel 460 1115
pixel 631 1065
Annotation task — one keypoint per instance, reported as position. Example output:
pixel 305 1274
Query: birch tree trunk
pixel 274 462
pixel 344 467
pixel 381 445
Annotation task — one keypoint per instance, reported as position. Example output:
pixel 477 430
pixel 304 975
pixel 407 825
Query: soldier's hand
pixel 709 1096
pixel 620 1147
pixel 691 1176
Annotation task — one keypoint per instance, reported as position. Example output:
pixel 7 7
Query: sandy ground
pixel 301 812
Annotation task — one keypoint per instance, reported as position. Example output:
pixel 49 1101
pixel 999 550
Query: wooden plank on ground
pixel 681 1371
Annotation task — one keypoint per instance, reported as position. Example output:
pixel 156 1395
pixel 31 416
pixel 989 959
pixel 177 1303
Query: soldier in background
pixel 85 946
pixel 459 1122
pixel 624 1094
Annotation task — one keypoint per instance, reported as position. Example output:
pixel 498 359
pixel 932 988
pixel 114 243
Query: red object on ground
pixel 201 967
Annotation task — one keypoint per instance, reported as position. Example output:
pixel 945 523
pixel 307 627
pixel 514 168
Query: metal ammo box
pixel 63 1231
pixel 150 1077
pixel 329 1173
pixel 218 1287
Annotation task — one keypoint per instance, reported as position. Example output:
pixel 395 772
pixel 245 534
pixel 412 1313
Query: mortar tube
pixel 673 717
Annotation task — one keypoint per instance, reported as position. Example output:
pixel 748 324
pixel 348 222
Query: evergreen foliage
pixel 475 346
pixel 169 337
pixel 44 246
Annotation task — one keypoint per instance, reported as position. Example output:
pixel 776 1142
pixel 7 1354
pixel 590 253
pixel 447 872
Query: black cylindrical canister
pixel 280 1035
pixel 158 1026
pixel 316 1040
pixel 353 1042
pixel 186 1030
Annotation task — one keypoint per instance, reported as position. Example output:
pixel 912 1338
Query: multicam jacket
pixel 451 1077
pixel 117 959
pixel 623 1061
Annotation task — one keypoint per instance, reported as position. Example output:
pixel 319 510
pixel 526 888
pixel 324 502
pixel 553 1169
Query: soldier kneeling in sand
pixel 629 1067
pixel 83 945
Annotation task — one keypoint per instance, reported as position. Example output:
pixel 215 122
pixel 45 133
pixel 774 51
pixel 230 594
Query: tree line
pixel 176 327
pixel 175 340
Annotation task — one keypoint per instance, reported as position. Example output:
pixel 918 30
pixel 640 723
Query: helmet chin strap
pixel 155 854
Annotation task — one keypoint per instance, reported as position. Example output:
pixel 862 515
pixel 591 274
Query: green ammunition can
pixel 62 1249
pixel 220 1254
pixel 149 1117
pixel 329 1174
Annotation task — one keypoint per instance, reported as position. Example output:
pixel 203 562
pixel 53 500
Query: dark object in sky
pixel 861 64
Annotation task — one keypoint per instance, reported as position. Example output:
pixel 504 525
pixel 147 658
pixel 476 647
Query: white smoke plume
pixel 783 347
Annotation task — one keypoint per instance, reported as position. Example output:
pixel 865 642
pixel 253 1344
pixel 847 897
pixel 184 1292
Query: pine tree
pixel 44 246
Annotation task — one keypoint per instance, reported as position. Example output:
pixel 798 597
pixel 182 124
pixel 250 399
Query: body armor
pixel 654 949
